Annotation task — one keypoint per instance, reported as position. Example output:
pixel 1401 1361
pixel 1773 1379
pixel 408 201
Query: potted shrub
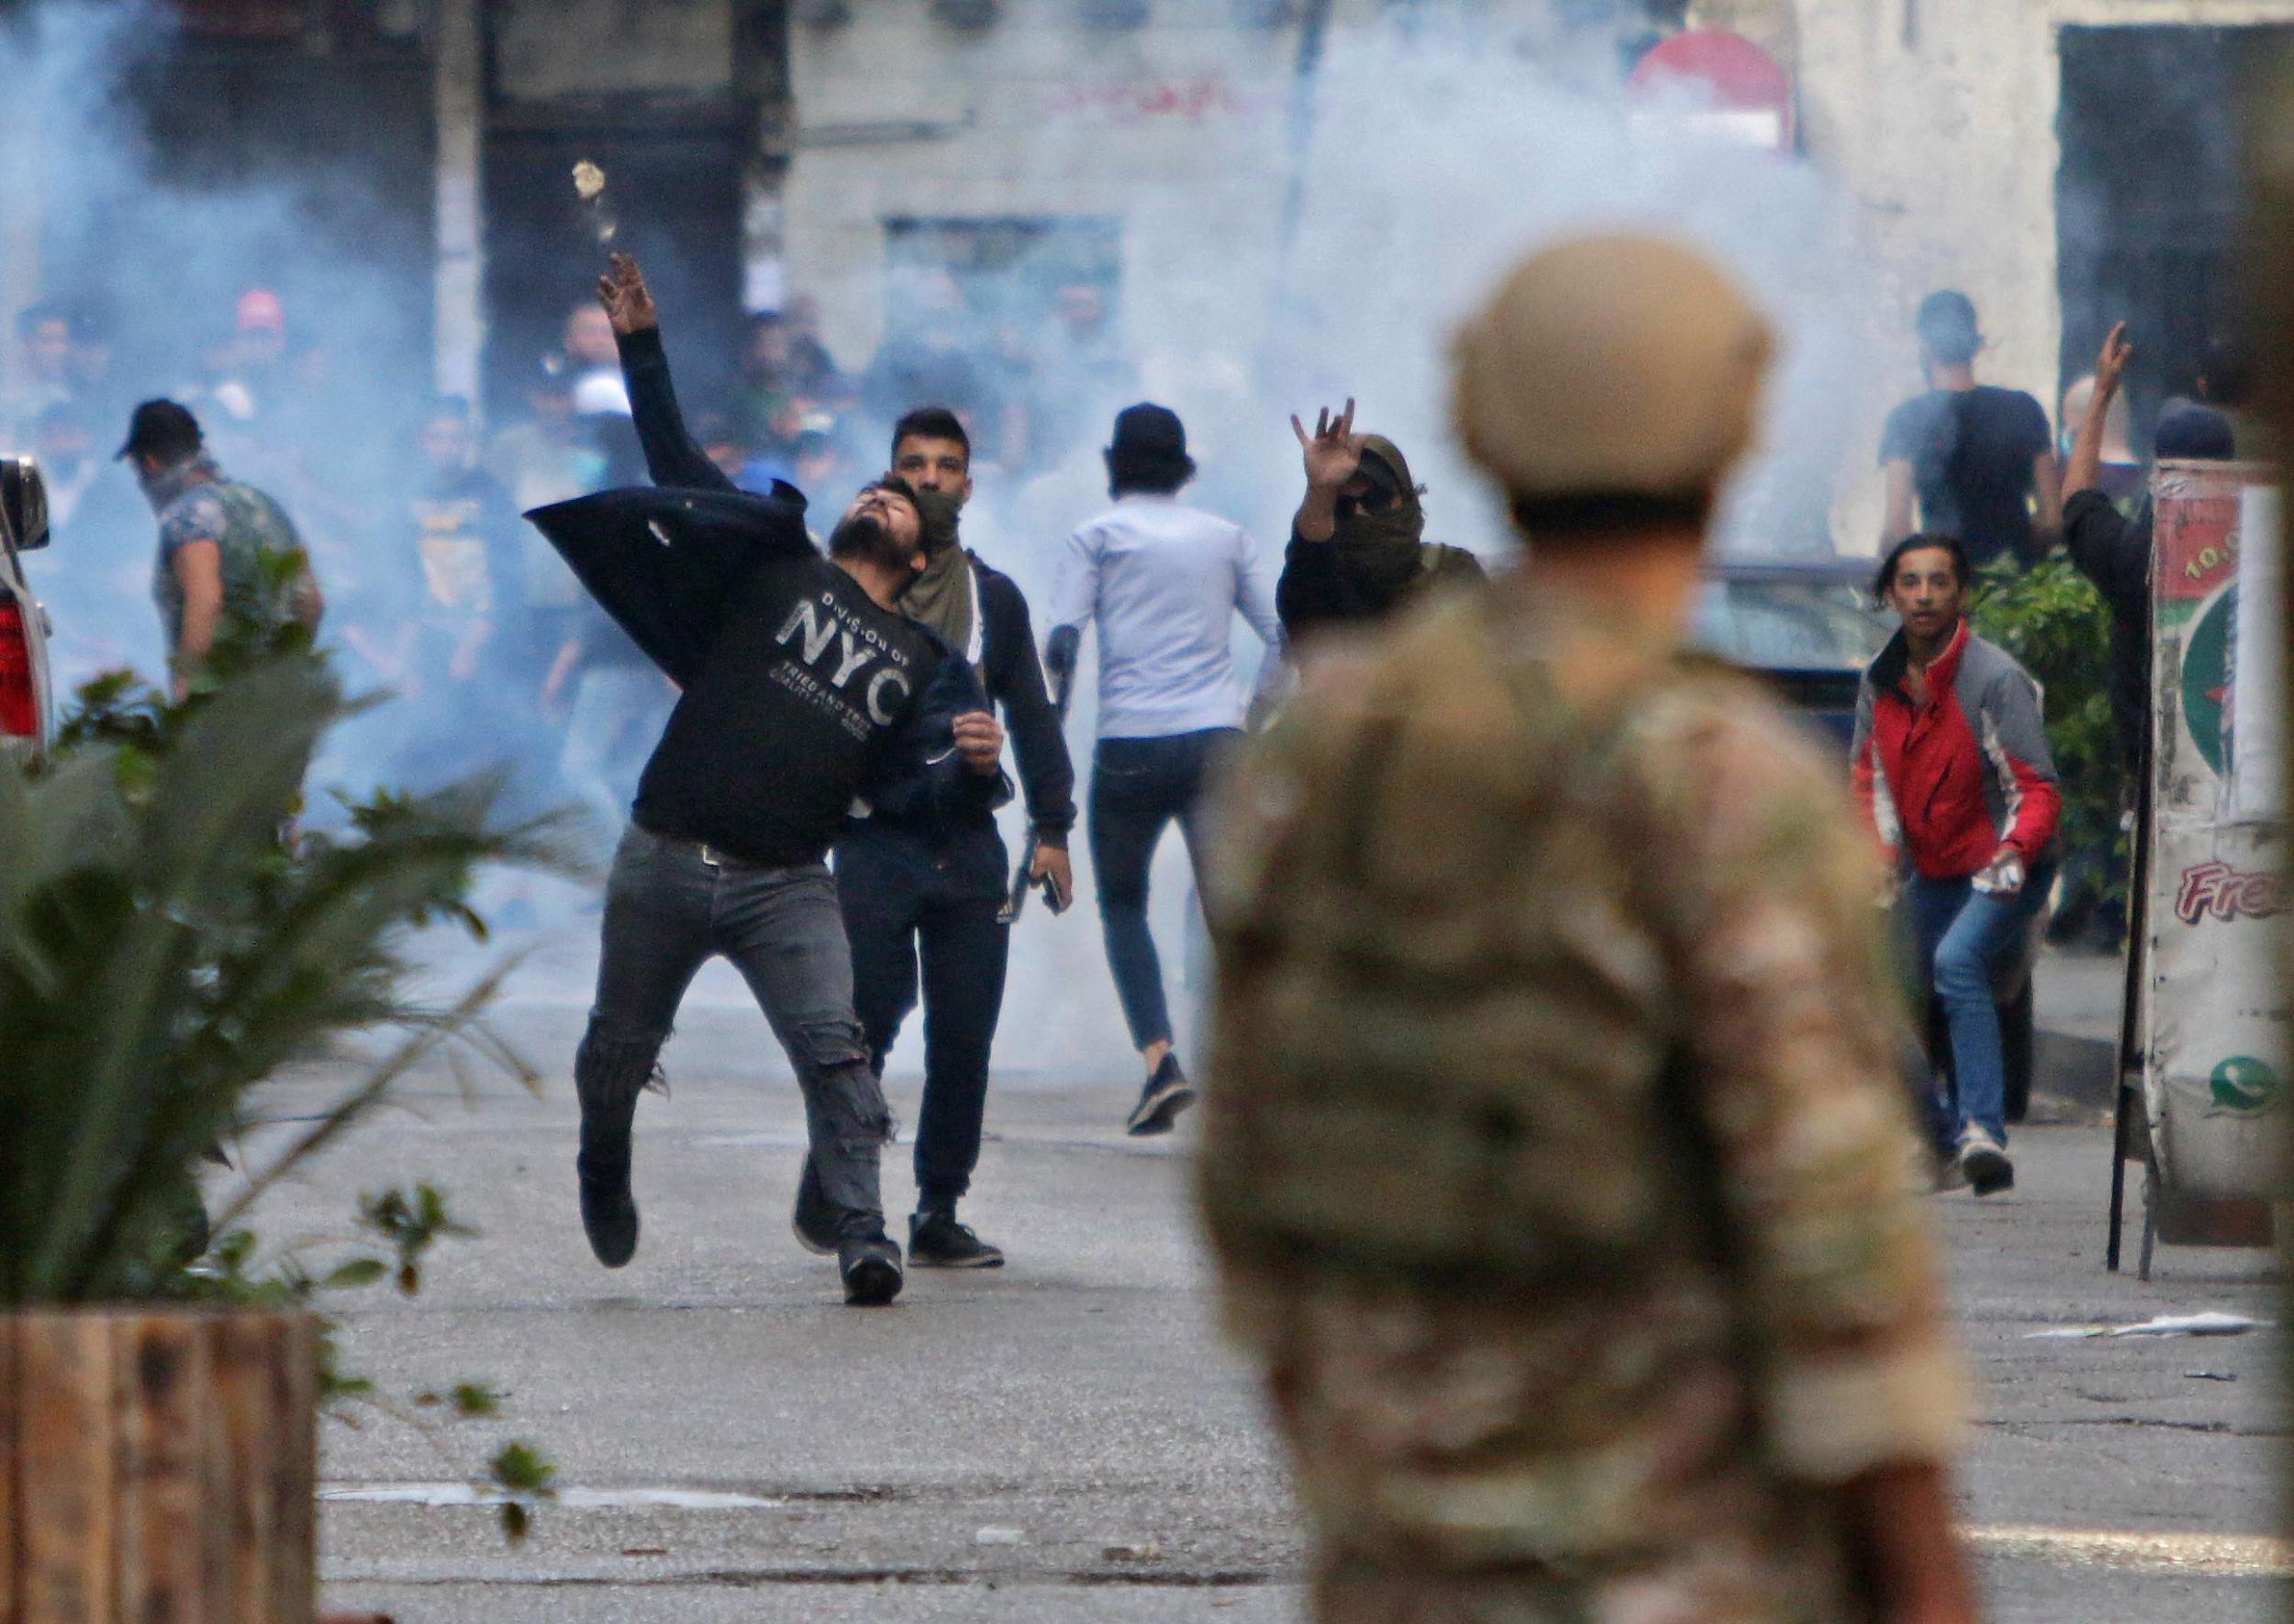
pixel 167 944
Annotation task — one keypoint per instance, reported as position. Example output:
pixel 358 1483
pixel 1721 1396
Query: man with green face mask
pixel 1357 547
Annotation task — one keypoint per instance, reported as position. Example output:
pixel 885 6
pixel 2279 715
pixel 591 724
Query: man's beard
pixel 863 539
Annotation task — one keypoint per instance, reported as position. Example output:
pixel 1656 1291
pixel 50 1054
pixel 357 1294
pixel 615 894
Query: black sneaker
pixel 608 1104
pixel 1985 1162
pixel 937 1241
pixel 608 1210
pixel 1166 1095
pixel 815 1221
pixel 871 1267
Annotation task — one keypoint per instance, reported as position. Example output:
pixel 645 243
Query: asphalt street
pixel 1067 1439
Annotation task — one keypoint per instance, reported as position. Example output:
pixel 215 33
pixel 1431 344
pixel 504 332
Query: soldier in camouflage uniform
pixel 1555 1158
pixel 230 564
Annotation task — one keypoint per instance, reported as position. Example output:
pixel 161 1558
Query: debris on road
pixel 2211 1323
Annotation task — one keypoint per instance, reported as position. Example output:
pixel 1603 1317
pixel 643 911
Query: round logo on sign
pixel 2241 1083
pixel 2206 676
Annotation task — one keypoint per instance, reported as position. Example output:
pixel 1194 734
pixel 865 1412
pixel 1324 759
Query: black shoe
pixel 608 1210
pixel 1166 1095
pixel 1985 1162
pixel 871 1267
pixel 815 1221
pixel 607 1087
pixel 937 1241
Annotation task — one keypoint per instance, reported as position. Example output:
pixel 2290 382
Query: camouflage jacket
pixel 1553 1144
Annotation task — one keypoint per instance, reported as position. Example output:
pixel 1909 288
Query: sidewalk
pixel 2074 1064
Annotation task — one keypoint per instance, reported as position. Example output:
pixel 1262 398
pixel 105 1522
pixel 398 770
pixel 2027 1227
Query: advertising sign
pixel 2218 1040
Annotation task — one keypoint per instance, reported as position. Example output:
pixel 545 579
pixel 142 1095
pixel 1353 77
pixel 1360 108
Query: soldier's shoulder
pixel 1727 774
pixel 1709 715
pixel 1436 666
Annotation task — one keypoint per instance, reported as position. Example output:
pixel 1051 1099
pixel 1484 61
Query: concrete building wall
pixel 1937 117
pixel 1940 119
pixel 1181 122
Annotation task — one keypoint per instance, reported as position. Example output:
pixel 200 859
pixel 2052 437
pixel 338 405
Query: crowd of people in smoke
pixel 443 596
pixel 440 594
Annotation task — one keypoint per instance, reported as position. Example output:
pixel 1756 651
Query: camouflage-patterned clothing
pixel 1554 1151
pixel 195 503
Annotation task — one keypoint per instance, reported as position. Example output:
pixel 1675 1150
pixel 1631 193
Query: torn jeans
pixel 673 904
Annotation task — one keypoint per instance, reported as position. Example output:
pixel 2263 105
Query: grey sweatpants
pixel 669 908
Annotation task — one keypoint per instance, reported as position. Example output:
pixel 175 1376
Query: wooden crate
pixel 159 1467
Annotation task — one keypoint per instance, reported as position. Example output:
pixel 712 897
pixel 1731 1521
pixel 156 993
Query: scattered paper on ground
pixel 2209 1324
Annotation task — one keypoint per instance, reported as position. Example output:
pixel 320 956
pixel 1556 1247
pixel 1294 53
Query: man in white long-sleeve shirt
pixel 1164 582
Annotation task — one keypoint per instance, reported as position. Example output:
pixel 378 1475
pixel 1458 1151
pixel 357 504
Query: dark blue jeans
pixel 669 908
pixel 1138 786
pixel 906 899
pixel 1964 936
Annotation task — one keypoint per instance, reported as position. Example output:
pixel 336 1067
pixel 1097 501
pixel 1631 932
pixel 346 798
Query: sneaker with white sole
pixel 1985 1162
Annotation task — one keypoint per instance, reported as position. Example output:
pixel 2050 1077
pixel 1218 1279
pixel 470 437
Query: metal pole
pixel 2125 1097
pixel 458 98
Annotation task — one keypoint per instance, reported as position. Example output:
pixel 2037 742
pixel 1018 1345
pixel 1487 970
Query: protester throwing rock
pixel 804 686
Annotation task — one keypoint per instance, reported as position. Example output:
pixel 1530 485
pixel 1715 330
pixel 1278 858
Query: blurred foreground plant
pixel 170 942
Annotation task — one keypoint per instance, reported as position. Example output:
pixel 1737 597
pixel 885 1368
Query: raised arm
pixel 672 455
pixel 1333 456
pixel 2085 471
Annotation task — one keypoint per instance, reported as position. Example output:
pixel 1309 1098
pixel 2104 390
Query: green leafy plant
pixel 170 942
pixel 2055 624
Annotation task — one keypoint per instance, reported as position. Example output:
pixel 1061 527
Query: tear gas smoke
pixel 1432 157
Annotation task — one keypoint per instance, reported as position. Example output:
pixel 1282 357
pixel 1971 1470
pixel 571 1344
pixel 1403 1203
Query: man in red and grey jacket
pixel 1950 764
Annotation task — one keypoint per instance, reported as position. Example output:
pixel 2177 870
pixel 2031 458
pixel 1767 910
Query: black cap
pixel 163 430
pixel 2190 432
pixel 1149 433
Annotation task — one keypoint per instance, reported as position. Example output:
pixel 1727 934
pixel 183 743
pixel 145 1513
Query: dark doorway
pixel 2147 202
pixel 223 165
pixel 676 199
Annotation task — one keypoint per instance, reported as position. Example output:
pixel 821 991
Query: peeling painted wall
pixel 1939 117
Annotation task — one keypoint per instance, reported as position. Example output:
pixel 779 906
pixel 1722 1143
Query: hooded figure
pixel 1375 555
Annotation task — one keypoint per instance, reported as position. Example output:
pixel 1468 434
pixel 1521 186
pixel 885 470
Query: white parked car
pixel 27 699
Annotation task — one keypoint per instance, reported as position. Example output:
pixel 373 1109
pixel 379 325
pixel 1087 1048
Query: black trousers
pixel 920 915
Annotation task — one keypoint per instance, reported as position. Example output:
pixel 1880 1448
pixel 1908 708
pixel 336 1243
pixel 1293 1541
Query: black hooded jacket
pixel 800 695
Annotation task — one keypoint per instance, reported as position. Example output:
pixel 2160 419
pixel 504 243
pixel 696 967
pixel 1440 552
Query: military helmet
pixel 1615 364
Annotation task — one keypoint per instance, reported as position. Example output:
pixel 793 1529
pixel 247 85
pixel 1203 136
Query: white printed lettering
pixel 878 709
pixel 817 633
pixel 855 658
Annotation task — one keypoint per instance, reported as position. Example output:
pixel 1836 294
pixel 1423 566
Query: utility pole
pixel 458 98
